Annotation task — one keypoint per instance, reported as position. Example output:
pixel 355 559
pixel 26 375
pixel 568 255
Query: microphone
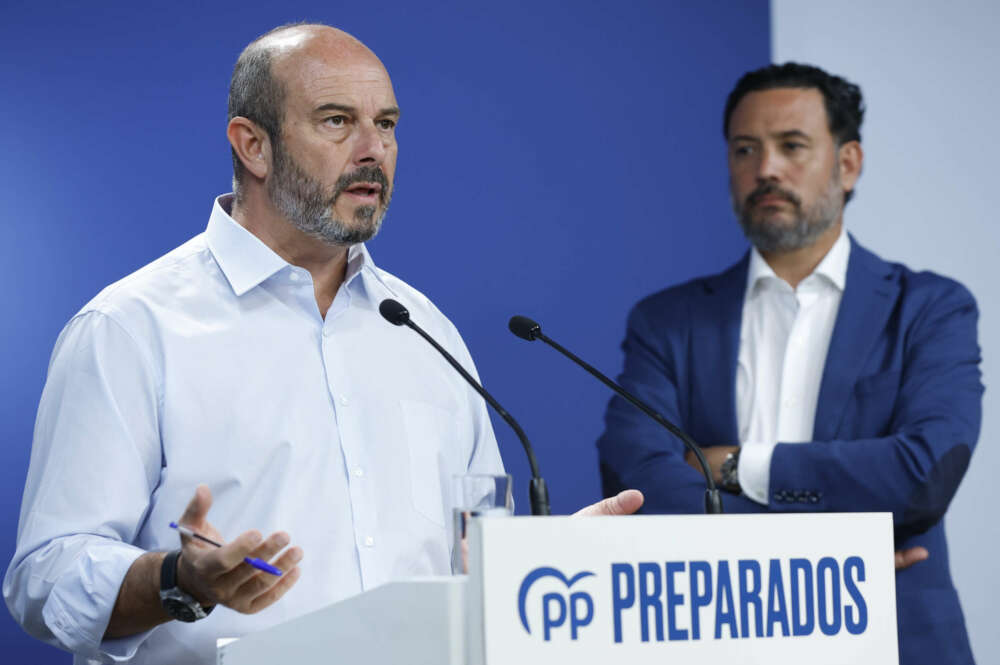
pixel 528 329
pixel 396 314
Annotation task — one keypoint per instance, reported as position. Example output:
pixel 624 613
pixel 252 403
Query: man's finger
pixel 265 550
pixel 263 584
pixel 624 503
pixel 273 594
pixel 908 557
pixel 197 508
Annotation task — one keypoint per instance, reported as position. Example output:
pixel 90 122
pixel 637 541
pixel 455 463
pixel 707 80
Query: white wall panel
pixel 928 197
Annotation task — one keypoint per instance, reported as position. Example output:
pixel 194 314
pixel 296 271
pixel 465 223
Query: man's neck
pixel 796 265
pixel 326 263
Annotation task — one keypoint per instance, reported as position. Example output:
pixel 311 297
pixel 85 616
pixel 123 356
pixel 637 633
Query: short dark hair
pixel 256 94
pixel 845 106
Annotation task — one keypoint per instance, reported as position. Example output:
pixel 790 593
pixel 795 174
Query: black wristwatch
pixel 730 472
pixel 178 604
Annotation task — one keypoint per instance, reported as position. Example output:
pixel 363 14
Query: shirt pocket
pixel 430 432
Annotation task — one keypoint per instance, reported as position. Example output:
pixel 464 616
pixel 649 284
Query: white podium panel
pixel 419 622
pixel 683 589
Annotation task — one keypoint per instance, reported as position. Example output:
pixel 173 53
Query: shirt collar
pixel 833 266
pixel 247 262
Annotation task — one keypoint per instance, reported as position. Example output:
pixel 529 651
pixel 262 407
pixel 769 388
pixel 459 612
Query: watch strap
pixel 168 571
pixel 178 604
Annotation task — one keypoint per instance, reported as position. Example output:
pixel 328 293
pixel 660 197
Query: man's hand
pixel 906 558
pixel 623 503
pixel 714 455
pixel 219 576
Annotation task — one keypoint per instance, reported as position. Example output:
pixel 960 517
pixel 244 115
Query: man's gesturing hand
pixel 625 502
pixel 219 576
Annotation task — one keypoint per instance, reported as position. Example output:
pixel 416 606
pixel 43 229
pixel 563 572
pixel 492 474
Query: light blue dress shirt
pixel 213 365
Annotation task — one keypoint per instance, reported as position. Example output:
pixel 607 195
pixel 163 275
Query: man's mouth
pixel 365 190
pixel 770 197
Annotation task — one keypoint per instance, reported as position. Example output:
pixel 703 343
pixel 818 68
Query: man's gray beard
pixel 303 202
pixel 803 231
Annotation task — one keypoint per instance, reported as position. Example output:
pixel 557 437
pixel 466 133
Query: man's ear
pixel 251 145
pixel 850 158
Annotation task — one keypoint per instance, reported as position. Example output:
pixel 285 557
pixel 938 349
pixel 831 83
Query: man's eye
pixel 742 150
pixel 386 124
pixel 336 120
pixel 792 146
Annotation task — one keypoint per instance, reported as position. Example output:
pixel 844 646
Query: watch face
pixel 179 610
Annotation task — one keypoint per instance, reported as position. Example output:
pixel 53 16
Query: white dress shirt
pixel 784 338
pixel 213 365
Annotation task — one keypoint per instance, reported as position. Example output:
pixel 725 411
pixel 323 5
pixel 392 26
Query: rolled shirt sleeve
pixel 95 462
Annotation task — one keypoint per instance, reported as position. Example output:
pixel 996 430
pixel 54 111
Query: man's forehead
pixel 316 72
pixel 779 110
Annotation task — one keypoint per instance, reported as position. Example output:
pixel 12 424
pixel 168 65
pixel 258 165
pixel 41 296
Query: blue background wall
pixel 559 160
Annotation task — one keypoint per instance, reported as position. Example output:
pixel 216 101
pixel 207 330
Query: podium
pixel 640 589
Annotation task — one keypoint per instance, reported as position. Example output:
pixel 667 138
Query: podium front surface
pixel 683 589
pixel 734 589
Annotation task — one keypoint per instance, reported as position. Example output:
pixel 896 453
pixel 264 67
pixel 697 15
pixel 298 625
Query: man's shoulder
pixel 915 286
pixel 681 295
pixel 422 310
pixel 155 282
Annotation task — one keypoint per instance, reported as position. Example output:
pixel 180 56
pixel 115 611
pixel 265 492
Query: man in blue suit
pixel 817 376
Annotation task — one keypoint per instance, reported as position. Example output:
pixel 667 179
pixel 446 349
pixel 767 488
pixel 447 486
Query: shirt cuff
pixel 754 470
pixel 79 606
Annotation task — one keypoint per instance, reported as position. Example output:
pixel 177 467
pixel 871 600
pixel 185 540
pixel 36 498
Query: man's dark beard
pixel 303 202
pixel 808 225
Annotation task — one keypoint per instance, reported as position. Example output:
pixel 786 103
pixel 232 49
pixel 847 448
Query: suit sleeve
pixel 914 467
pixel 635 451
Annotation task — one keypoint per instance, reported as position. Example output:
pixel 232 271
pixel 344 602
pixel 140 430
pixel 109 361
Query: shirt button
pixel 294 276
pixel 344 401
pixel 369 541
pixel 359 472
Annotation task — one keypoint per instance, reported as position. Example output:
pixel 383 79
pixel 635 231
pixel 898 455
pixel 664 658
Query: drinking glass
pixel 476 495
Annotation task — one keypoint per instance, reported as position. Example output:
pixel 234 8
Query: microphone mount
pixel 530 330
pixel 396 314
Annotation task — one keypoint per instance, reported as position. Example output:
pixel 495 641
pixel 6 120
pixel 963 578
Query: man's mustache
pixel 364 174
pixel 770 189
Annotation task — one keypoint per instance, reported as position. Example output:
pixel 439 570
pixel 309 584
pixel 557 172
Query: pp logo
pixel 578 607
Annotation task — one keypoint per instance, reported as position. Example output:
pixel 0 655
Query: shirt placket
pixel 792 415
pixel 348 406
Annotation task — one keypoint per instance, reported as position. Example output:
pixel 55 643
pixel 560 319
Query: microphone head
pixel 524 328
pixel 393 312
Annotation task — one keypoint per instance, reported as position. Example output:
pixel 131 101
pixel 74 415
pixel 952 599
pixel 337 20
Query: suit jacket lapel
pixel 870 293
pixel 715 342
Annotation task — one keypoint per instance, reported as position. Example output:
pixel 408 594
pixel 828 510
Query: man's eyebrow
pixel 333 106
pixel 794 134
pixel 787 134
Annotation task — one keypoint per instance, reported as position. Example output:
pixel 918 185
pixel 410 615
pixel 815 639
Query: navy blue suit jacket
pixel 897 418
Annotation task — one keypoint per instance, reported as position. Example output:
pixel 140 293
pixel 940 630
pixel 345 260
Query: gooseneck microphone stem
pixel 527 329
pixel 396 314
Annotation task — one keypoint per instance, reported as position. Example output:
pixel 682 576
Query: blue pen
pixel 259 564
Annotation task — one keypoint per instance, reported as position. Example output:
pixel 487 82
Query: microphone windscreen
pixel 524 327
pixel 393 312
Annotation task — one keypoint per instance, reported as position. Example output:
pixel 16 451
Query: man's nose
pixel 770 166
pixel 370 147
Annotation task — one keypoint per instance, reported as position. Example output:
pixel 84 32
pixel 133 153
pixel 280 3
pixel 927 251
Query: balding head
pixel 258 88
